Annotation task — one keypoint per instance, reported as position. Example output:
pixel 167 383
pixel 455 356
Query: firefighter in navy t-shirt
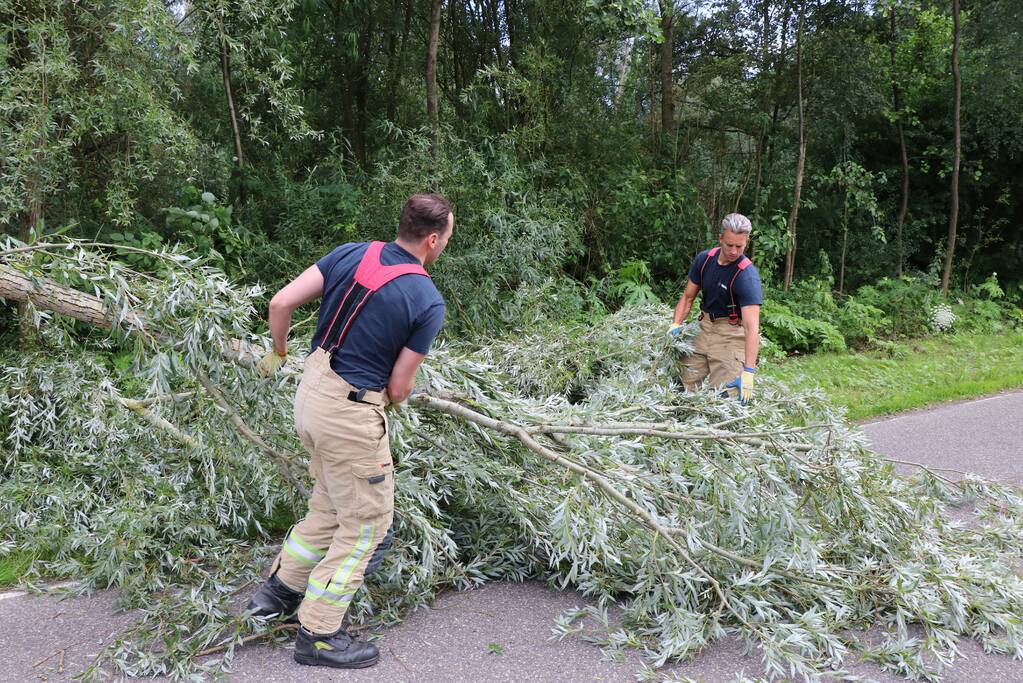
pixel 725 350
pixel 379 314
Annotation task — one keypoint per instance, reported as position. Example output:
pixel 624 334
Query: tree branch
pixel 283 462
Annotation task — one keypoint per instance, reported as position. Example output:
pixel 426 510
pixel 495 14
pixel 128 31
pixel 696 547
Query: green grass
pixel 12 567
pixel 910 374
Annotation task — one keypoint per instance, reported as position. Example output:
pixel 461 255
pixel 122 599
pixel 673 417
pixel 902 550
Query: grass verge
pixel 13 567
pixel 910 374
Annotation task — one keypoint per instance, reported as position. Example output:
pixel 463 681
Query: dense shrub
pixel 793 332
pixel 906 301
pixel 808 318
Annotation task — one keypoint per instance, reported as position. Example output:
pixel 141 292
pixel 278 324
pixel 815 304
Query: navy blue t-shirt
pixel 714 284
pixel 407 311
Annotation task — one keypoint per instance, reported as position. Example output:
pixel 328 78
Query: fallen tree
pixel 565 453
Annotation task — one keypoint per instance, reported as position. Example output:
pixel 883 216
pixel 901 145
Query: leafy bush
pixel 859 322
pixel 556 298
pixel 907 302
pixel 630 285
pixel 807 318
pixel 979 315
pixel 208 229
pixel 796 333
pixel 507 233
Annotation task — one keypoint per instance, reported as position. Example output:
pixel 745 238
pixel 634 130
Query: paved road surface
pixel 44 639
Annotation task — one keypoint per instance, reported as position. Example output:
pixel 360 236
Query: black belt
pixel 359 395
pixel 726 316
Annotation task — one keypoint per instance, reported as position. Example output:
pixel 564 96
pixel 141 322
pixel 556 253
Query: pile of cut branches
pixel 564 453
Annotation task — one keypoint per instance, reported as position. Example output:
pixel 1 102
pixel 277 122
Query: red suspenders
pixel 744 263
pixel 370 276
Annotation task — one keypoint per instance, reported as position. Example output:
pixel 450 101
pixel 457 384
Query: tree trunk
pixel 239 156
pixel 43 293
pixel 953 215
pixel 897 103
pixel 779 64
pixel 431 72
pixel 48 295
pixel 392 59
pixel 765 65
pixel 495 22
pixel 790 257
pixel 361 83
pixel 513 33
pixel 667 70
pixel 622 71
pixel 399 65
pixel 27 333
pixel 845 241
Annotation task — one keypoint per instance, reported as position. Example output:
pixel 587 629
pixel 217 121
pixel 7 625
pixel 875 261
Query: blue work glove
pixel 743 384
pixel 675 329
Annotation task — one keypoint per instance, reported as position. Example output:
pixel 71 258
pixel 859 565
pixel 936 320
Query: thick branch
pixel 52 296
pixel 45 293
pixel 283 463
pixel 666 533
pixel 639 429
pixel 142 410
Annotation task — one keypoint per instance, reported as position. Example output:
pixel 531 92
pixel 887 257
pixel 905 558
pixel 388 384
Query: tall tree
pixel 953 214
pixel 790 257
pixel 667 69
pixel 431 70
pixel 396 54
pixel 904 155
pixel 238 169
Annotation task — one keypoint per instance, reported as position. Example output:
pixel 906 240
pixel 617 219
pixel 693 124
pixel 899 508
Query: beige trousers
pixel 352 503
pixel 719 353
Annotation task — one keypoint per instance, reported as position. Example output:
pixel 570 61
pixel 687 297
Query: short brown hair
pixel 422 215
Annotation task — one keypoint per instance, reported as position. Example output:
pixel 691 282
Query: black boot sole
pixel 314 661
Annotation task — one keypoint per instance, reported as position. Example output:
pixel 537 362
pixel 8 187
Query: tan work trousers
pixel 719 354
pixel 352 503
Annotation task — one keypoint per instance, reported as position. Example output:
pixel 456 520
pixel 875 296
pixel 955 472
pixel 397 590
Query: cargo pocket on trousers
pixel 374 490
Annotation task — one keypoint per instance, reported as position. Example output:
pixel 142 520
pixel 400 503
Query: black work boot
pixel 273 597
pixel 338 650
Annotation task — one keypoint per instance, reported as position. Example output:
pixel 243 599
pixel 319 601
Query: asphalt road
pixel 501 632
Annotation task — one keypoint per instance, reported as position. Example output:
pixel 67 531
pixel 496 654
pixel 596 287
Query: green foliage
pixel 13 566
pixel 796 333
pixel 982 315
pixel 630 285
pixel 906 302
pixel 989 289
pixel 645 216
pixel 563 298
pixel 89 105
pixel 858 322
pixel 802 522
pixel 772 243
pixel 807 318
pixel 507 235
pixel 144 241
pixel 208 230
